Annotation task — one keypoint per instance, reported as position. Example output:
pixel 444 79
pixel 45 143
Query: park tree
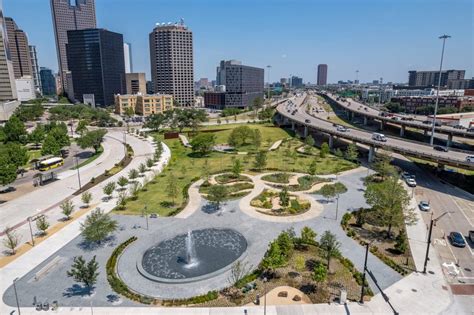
pixel 135 189
pixel 308 235
pixel 8 170
pixel 338 153
pixel 217 194
pixel 133 174
pixel 401 242
pixel 59 132
pixel 92 139
pixel 236 168
pixel 383 167
pixel 273 258
pixel 86 198
pixel 155 121
pixel 257 103
pixel 320 272
pixel 16 153
pixel 284 197
pixel 121 200
pixel 14 130
pixel 309 144
pixel 50 146
pixel 313 167
pixel 171 187
pixel 239 136
pixel 122 182
pixel 11 240
pixel 149 163
pixel 330 246
pixel 84 272
pixel 203 143
pixel 351 153
pixel 67 208
pixel 82 127
pixel 142 168
pixel 328 191
pixel 98 226
pixel 206 171
pixel 260 160
pixel 42 224
pixel 257 138
pixel 324 150
pixel 238 271
pixel 37 135
pixel 390 201
pixel 108 189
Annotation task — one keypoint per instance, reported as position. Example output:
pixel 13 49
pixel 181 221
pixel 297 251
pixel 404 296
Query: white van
pixel 379 137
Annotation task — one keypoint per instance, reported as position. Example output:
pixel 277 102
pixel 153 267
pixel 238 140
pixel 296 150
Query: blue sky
pixel 380 38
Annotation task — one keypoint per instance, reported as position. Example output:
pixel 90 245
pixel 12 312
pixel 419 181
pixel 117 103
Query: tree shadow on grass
pixel 91 246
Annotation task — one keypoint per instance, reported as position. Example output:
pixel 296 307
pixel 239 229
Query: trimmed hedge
pixel 209 296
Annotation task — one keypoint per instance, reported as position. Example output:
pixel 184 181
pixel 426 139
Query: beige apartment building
pixel 143 104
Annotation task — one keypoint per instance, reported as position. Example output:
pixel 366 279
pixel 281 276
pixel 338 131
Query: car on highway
pixel 424 206
pixel 395 118
pixel 427 122
pixel 307 121
pixel 379 137
pixel 456 239
pixel 440 148
pixel 470 158
pixel 470 130
pixel 411 182
pixel 471 236
pixel 459 127
pixel 342 129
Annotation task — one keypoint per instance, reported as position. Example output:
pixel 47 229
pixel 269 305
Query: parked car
pixel 440 148
pixel 342 129
pixel 424 206
pixel 456 239
pixel 411 182
pixel 379 137
pixel 405 175
pixel 471 236
pixel 470 158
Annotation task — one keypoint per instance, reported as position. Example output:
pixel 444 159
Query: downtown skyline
pixel 309 41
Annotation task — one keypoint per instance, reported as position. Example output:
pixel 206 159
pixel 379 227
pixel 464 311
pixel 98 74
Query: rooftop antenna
pixel 181 21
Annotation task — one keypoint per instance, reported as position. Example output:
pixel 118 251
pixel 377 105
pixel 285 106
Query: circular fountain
pixel 197 255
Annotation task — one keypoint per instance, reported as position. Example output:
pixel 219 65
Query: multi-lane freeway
pixel 297 115
pixel 369 112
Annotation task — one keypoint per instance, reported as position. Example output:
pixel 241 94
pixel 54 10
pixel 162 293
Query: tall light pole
pixel 428 243
pixel 78 173
pixel 443 37
pixel 16 295
pixel 268 79
pixel 265 296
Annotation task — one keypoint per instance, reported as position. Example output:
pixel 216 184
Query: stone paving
pixel 56 286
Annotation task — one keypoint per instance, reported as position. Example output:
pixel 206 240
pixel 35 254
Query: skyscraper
pixel 95 58
pixel 19 49
pixel 48 81
pixel 322 74
pixel 430 78
pixel 70 15
pixel 135 83
pixel 7 78
pixel 127 53
pixel 35 68
pixel 171 59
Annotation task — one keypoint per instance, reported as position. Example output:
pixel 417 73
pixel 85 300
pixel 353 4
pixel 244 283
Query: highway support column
pixel 402 131
pixel 293 126
pixel 331 141
pixel 305 131
pixel 366 120
pixel 425 132
pixel 382 124
pixel 371 154
pixel 450 140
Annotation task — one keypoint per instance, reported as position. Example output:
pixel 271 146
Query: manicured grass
pixel 185 167
pixel 92 158
pixel 281 178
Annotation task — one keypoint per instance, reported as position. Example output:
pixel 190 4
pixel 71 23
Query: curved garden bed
pixel 305 182
pixel 270 202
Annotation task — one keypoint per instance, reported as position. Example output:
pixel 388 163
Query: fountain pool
pixel 197 255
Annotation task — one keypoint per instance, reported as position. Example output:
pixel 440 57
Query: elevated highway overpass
pixel 356 108
pixel 409 148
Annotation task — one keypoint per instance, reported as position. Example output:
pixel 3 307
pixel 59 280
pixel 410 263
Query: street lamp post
pixel 265 296
pixel 16 295
pixel 443 37
pixel 428 243
pixel 31 232
pixel 363 276
pixel 145 211
pixel 268 80
pixel 78 173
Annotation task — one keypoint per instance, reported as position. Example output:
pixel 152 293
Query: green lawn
pixel 185 167
pixel 92 158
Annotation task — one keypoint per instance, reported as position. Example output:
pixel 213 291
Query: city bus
pixel 51 163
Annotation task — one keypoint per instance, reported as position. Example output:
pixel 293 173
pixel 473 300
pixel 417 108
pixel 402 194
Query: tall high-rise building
pixel 242 85
pixel 35 69
pixel 95 58
pixel 7 77
pixel 48 81
pixel 296 82
pixel 431 78
pixel 127 54
pixel 135 83
pixel 322 74
pixel 20 53
pixel 171 59
pixel 70 15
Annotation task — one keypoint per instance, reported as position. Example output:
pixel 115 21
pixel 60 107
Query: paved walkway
pixel 275 146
